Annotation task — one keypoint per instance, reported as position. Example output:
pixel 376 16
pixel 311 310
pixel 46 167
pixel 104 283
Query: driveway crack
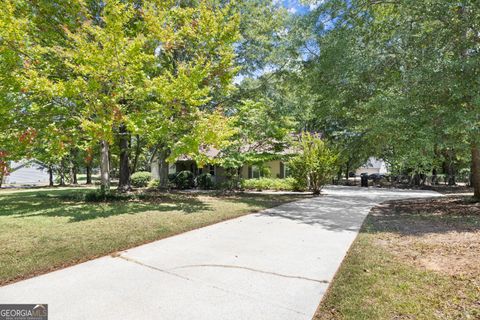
pixel 203 282
pixel 249 269
pixel 152 267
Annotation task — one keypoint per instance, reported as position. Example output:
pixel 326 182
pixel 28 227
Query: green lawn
pixel 46 229
pixel 412 260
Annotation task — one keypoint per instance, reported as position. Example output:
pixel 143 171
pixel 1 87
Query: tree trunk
pixel 451 175
pixel 347 170
pixel 476 170
pixel 138 150
pixel 124 172
pixel 104 166
pixel 74 168
pixel 89 174
pixel 416 179
pixel 315 185
pixel 434 177
pixel 450 157
pixel 50 176
pixel 163 168
pixel 339 177
pixel 62 173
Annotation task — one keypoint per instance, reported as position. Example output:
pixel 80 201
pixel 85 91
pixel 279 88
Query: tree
pixel 315 165
pixel 106 63
pixel 399 73
pixel 195 67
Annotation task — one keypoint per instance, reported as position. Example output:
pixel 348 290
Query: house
pixel 274 168
pixel 373 165
pixel 27 172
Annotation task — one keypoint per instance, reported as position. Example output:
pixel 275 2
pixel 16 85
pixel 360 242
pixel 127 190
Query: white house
pixel 373 165
pixel 27 172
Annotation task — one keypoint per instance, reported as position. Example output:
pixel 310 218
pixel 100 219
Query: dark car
pixel 376 176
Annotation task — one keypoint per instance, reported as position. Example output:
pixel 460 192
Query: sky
pixel 294 6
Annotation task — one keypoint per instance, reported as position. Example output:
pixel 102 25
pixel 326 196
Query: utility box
pixel 364 181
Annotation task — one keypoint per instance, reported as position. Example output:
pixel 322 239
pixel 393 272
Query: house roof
pixel 209 152
pixel 247 148
pixel 16 165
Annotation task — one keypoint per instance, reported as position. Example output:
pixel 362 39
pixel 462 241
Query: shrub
pixel 172 177
pixel 153 184
pixel 316 164
pixel 205 181
pixel 140 179
pixel 102 196
pixel 184 180
pixel 269 184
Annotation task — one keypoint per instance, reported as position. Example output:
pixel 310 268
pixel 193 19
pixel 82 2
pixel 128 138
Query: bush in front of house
pixel 140 179
pixel 205 181
pixel 153 184
pixel 286 184
pixel 172 177
pixel 184 180
pixel 315 164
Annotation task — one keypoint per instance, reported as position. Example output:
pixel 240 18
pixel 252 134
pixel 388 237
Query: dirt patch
pixel 442 234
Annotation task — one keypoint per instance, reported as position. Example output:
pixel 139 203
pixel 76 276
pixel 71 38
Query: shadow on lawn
pixel 417 217
pixel 58 204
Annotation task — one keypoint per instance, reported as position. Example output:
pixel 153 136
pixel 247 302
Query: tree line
pixel 102 82
pixel 397 79
pixel 132 77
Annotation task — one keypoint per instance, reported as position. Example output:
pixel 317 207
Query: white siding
pixel 30 174
pixel 373 165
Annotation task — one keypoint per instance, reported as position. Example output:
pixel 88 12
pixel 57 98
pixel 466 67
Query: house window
pixel 256 173
pixel 211 170
pixel 285 170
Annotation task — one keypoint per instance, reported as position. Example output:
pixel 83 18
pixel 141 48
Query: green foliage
pixel 102 196
pixel 404 87
pixel 205 181
pixel 77 72
pixel 153 184
pixel 184 180
pixel 287 184
pixel 315 165
pixel 140 179
pixel 262 132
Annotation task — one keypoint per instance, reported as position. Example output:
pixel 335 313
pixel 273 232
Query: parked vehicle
pixel 376 176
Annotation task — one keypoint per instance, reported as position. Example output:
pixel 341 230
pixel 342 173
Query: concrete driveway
pixel 276 264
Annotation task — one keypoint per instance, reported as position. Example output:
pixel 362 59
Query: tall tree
pixel 193 74
pixel 400 73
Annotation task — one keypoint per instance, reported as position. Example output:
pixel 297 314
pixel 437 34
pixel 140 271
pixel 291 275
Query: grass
pixel 412 260
pixel 46 229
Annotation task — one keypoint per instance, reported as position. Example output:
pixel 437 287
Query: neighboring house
pixel 271 169
pixel 373 165
pixel 27 172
